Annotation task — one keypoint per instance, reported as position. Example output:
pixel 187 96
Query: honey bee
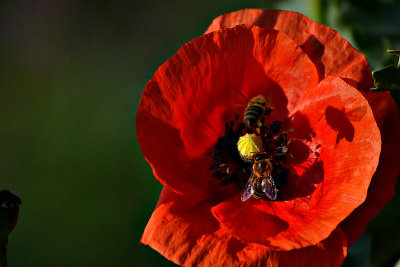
pixel 260 183
pixel 255 110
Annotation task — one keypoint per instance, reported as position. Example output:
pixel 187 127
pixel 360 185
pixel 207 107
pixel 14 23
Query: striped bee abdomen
pixel 255 110
pixel 258 195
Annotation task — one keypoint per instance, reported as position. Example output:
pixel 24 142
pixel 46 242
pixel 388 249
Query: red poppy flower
pixel 318 85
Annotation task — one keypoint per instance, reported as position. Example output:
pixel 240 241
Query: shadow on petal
pixel 303 184
pixel 306 169
pixel 339 122
pixel 236 216
pixel 312 46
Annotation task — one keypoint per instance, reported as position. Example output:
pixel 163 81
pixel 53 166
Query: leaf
pixel 394 52
pixel 387 79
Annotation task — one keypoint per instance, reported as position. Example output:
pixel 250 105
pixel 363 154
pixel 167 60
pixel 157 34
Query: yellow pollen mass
pixel 248 145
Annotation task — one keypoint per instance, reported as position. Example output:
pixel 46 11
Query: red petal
pixel 383 183
pixel 330 252
pixel 348 159
pixel 186 233
pixel 331 54
pixel 184 107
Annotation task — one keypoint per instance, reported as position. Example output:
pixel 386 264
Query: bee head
pixel 261 156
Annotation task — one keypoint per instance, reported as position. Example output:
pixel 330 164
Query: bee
pixel 255 110
pixel 260 183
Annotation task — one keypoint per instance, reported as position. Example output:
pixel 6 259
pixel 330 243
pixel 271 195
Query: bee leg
pixel 261 122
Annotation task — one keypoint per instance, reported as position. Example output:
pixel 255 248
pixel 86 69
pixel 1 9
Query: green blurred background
pixel 71 77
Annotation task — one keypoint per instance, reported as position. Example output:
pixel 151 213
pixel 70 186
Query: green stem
pixel 3 253
pixel 319 8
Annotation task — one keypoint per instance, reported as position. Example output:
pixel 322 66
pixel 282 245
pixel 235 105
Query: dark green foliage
pixel 387 79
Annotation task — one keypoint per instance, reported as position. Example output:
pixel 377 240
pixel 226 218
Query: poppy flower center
pixel 253 154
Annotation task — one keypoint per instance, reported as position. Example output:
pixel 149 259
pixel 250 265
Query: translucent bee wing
pixel 269 188
pixel 248 189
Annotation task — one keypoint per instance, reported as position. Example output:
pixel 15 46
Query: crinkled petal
pixel 186 233
pixel 185 106
pixel 343 124
pixel 382 187
pixel 331 54
pixel 330 252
